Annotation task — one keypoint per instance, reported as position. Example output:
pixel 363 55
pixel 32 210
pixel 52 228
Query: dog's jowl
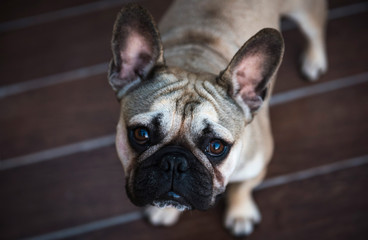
pixel 194 99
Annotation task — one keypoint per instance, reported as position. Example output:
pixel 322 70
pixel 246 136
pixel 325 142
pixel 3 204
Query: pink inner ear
pixel 134 56
pixel 248 74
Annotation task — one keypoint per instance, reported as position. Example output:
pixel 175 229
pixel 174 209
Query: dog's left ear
pixel 248 74
pixel 136 47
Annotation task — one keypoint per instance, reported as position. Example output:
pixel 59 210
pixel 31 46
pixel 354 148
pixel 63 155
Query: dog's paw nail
pixel 162 216
pixel 241 223
pixel 241 226
pixel 314 67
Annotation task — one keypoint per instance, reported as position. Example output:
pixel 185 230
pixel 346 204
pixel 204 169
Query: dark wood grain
pixel 61 46
pixel 342 3
pixel 15 9
pixel 320 130
pixel 328 207
pixel 56 47
pixel 57 115
pixel 62 193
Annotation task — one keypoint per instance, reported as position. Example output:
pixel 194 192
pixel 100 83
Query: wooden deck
pixel 59 174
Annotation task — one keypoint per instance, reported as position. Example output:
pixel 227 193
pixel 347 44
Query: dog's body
pixel 191 119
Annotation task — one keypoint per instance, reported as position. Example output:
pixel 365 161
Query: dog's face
pixel 175 137
pixel 179 133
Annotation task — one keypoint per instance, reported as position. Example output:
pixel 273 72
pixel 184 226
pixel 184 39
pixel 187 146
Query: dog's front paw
pixel 162 216
pixel 240 221
pixel 314 64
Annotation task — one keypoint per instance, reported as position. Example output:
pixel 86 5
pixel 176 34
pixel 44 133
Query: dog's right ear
pixel 248 75
pixel 136 47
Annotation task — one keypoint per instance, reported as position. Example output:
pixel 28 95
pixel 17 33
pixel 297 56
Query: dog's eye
pixel 216 148
pixel 141 135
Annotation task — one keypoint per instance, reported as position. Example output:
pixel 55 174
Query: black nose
pixel 174 163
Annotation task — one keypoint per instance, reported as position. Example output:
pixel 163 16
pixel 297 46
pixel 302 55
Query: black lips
pixel 175 175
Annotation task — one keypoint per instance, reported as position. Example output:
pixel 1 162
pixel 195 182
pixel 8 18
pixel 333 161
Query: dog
pixel 194 101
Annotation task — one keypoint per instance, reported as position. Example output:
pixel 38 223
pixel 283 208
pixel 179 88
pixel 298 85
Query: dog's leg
pixel 162 216
pixel 242 212
pixel 311 17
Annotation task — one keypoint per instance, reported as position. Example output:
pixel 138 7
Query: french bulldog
pixel 194 100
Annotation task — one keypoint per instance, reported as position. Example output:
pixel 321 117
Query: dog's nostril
pixel 183 165
pixel 165 165
pixel 174 163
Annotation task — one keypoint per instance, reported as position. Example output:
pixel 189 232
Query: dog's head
pixel 178 136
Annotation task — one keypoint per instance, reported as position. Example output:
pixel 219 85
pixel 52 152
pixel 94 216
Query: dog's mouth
pixel 172 199
pixel 171 177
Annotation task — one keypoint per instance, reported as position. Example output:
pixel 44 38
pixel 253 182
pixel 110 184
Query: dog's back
pixel 224 26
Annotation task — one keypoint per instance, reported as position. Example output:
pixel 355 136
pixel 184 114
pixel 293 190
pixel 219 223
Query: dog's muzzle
pixel 173 177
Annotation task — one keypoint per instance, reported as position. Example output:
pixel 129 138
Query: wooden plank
pixel 306 131
pixel 326 207
pixel 56 46
pixel 16 9
pixel 320 129
pixel 57 115
pixel 62 193
pixel 60 46
pixel 341 3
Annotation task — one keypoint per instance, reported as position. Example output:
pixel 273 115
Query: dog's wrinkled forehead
pixel 184 105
